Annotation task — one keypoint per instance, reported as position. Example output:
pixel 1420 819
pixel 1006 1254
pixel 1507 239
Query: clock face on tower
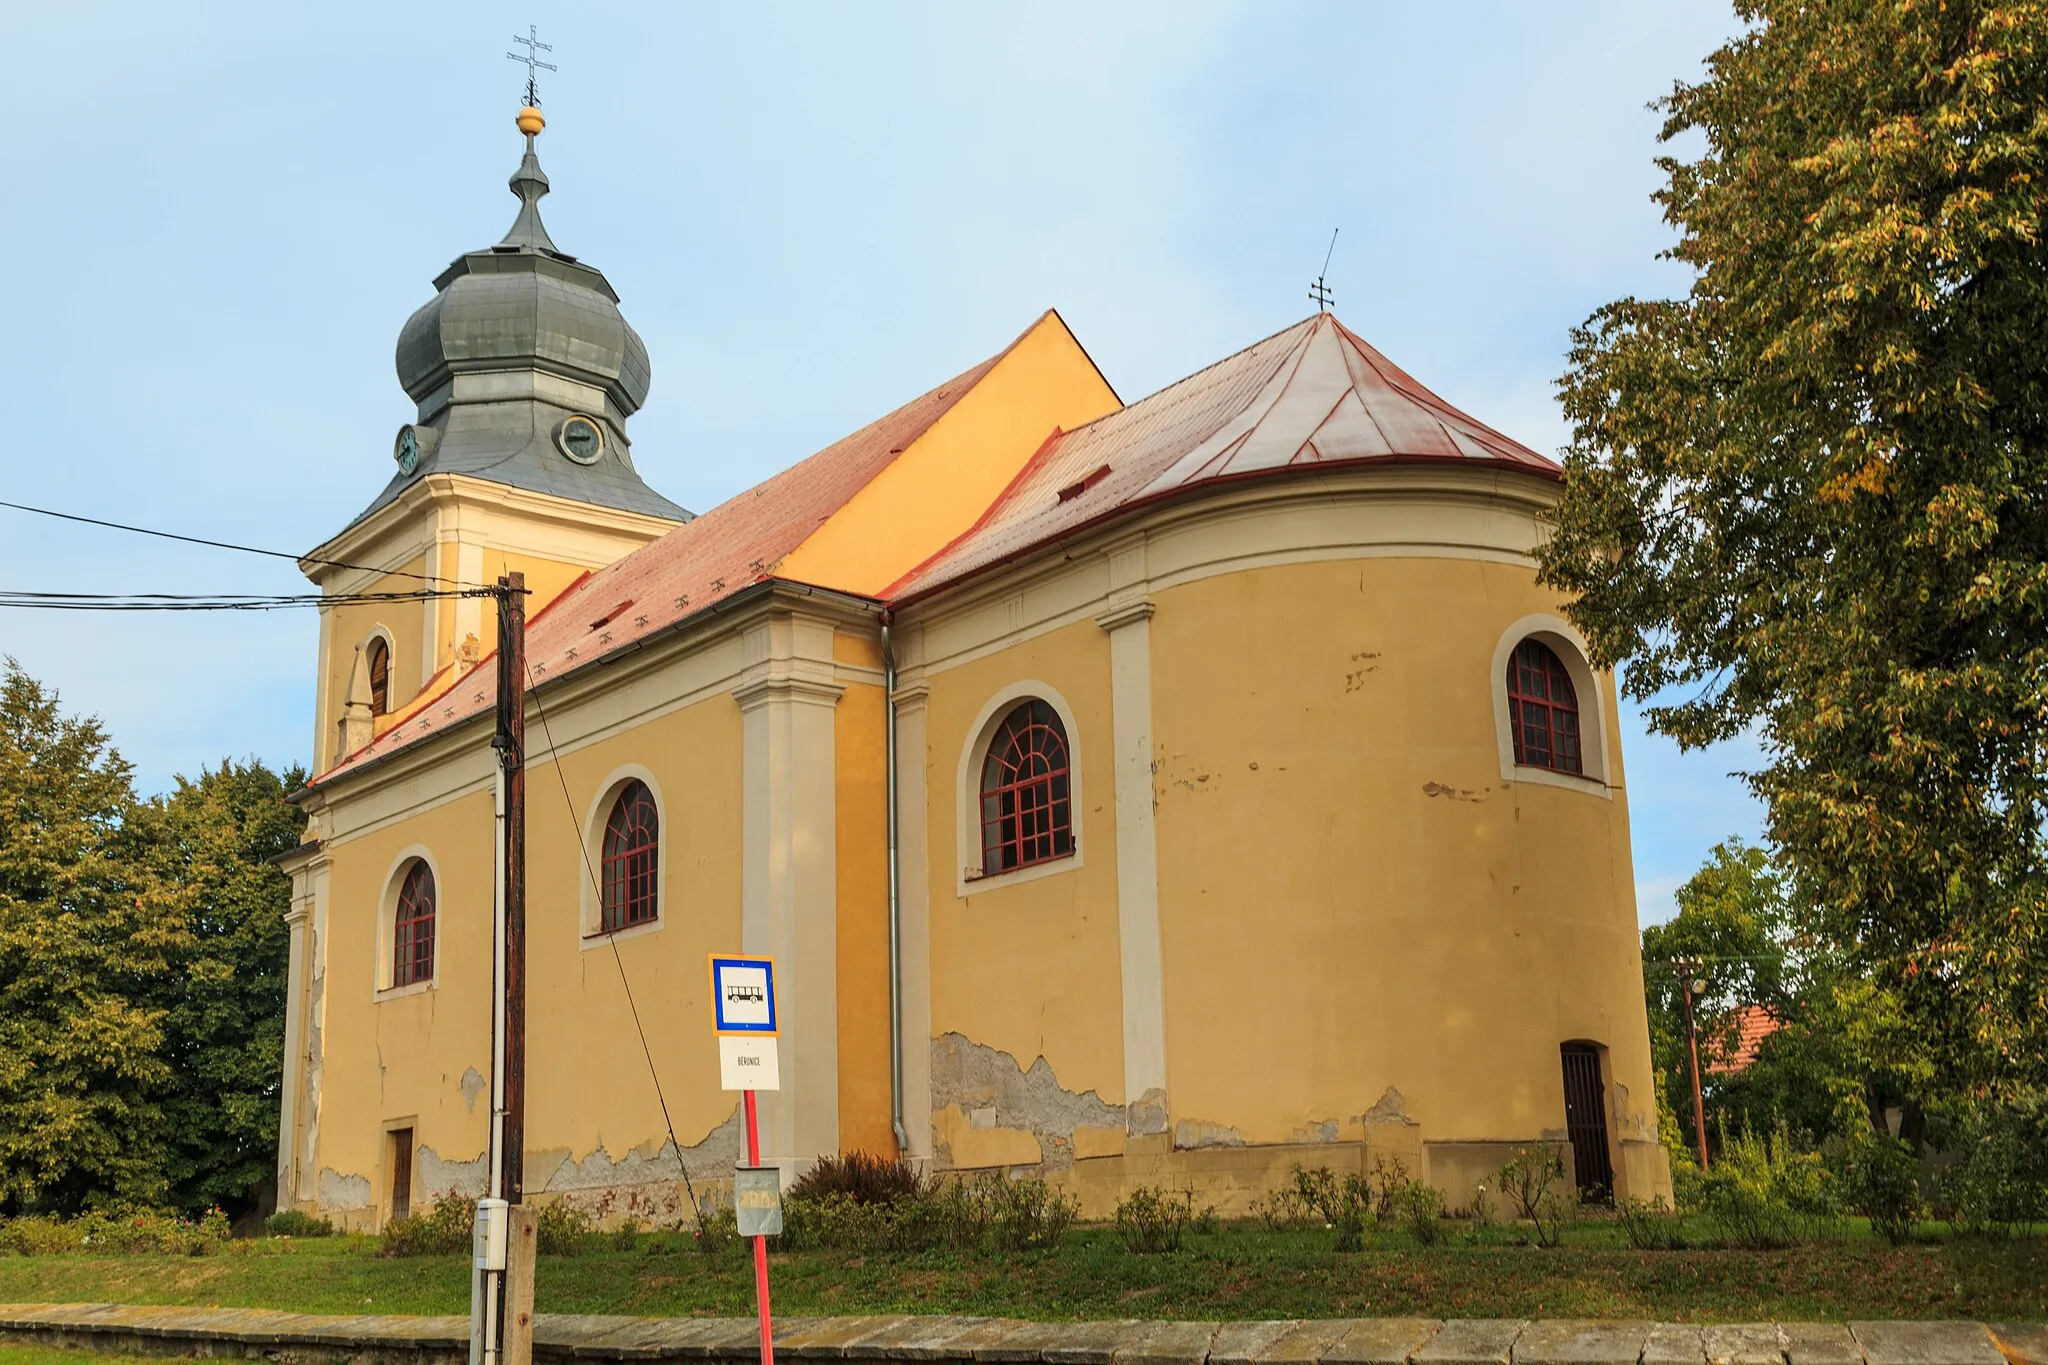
pixel 406 449
pixel 581 439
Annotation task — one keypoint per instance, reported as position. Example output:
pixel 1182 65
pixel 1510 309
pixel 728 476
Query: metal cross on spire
pixel 534 65
pixel 1319 291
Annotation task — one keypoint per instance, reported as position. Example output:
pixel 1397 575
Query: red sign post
pixel 744 1017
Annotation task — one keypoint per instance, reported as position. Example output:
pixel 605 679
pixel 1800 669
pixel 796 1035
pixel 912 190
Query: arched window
pixel 1543 710
pixel 380 676
pixel 1027 811
pixel 412 939
pixel 632 843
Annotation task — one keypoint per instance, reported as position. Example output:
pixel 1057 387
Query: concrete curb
pixel 566 1339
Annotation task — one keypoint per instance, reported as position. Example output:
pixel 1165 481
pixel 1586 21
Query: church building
pixel 1164 792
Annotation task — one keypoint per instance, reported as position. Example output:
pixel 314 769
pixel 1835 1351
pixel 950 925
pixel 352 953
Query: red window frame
pixel 412 937
pixel 631 861
pixel 1027 810
pixel 1543 710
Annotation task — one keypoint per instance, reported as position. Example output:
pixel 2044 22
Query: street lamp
pixel 1690 985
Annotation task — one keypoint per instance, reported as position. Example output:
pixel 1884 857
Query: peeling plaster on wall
pixel 644 1182
pixel 343 1193
pixel 1325 1131
pixel 1455 793
pixel 1391 1108
pixel 1193 1133
pixel 1627 1122
pixel 971 1076
pixel 472 1086
pixel 1146 1115
pixel 309 1100
pixel 435 1177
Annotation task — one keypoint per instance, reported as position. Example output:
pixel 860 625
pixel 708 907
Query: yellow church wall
pixel 349 626
pixel 936 489
pixel 594 1123
pixel 1333 824
pixel 860 814
pixel 1023 966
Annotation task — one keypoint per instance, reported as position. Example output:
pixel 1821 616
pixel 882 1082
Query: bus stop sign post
pixel 743 1016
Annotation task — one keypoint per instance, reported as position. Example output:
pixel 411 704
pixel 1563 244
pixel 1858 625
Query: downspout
pixel 895 900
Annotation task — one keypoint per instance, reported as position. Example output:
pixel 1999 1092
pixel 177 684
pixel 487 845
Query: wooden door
pixel 401 1172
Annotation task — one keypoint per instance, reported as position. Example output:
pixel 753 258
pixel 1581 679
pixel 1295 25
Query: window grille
pixel 632 842
pixel 1027 812
pixel 412 948
pixel 1543 710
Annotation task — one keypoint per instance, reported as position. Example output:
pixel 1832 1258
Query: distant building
pixel 1257 804
pixel 1753 1024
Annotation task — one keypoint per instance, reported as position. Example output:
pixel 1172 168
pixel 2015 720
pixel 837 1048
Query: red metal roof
pixel 1315 394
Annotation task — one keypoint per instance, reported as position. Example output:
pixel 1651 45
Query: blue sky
pixel 219 217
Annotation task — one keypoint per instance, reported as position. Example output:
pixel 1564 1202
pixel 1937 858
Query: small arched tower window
pixel 412 941
pixel 1543 710
pixel 1027 813
pixel 632 845
pixel 380 676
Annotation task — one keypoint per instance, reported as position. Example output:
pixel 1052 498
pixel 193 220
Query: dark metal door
pixel 1585 1120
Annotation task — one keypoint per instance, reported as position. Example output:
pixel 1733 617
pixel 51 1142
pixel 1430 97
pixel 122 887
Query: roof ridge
pixel 1189 378
pixel 1417 392
pixel 988 513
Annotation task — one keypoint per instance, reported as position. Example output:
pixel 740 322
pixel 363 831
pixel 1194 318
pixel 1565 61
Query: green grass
pixel 50 1355
pixel 1238 1272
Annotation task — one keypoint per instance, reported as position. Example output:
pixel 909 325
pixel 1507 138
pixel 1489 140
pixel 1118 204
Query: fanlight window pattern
pixel 1543 710
pixel 1027 813
pixel 412 944
pixel 380 676
pixel 632 842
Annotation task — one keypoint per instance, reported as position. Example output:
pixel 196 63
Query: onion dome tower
pixel 524 370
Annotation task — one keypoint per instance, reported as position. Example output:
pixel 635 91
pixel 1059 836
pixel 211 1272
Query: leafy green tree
pixel 87 939
pixel 213 840
pixel 1811 496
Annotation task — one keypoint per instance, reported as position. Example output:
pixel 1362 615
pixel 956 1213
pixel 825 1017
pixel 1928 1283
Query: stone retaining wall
pixel 564 1339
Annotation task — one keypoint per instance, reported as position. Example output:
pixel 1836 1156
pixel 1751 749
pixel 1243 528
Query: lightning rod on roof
pixel 1319 291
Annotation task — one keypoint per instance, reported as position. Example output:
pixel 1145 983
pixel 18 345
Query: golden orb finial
pixel 530 122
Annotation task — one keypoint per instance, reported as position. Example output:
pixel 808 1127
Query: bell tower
pixel 524 373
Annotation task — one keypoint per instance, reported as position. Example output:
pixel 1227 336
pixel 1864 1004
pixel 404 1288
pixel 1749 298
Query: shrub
pixel 1650 1226
pixel 1555 1211
pixel 1481 1210
pixel 1528 1176
pixel 718 1228
pixel 1281 1211
pixel 1763 1194
pixel 1881 1180
pixel 1343 1202
pixel 560 1230
pixel 2000 1181
pixel 1026 1214
pixel 1151 1221
pixel 445 1228
pixel 145 1232
pixel 1420 1207
pixel 861 1177
pixel 297 1223
pixel 1390 1179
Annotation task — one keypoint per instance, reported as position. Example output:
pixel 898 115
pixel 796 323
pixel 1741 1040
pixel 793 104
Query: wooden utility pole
pixel 501 1282
pixel 1692 1045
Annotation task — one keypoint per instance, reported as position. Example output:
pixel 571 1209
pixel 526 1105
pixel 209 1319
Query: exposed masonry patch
pixel 1146 1115
pixel 343 1193
pixel 972 1077
pixel 472 1086
pixel 643 1183
pixel 1325 1131
pixel 1455 793
pixel 1190 1134
pixel 438 1177
pixel 1391 1108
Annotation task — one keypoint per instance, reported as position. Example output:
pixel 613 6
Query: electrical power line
pixel 168 601
pixel 230 545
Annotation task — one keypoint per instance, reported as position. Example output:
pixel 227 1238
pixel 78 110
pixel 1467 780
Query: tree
pixel 212 841
pixel 1811 496
pixel 87 939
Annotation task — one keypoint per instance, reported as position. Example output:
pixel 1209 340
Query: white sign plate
pixel 748 1061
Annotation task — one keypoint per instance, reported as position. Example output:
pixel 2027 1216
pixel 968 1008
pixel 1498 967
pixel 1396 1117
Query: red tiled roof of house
pixel 1753 1024
pixel 1315 394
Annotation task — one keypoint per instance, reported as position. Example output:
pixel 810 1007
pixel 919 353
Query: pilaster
pixel 1128 619
pixel 789 894
pixel 914 920
pixel 299 1093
